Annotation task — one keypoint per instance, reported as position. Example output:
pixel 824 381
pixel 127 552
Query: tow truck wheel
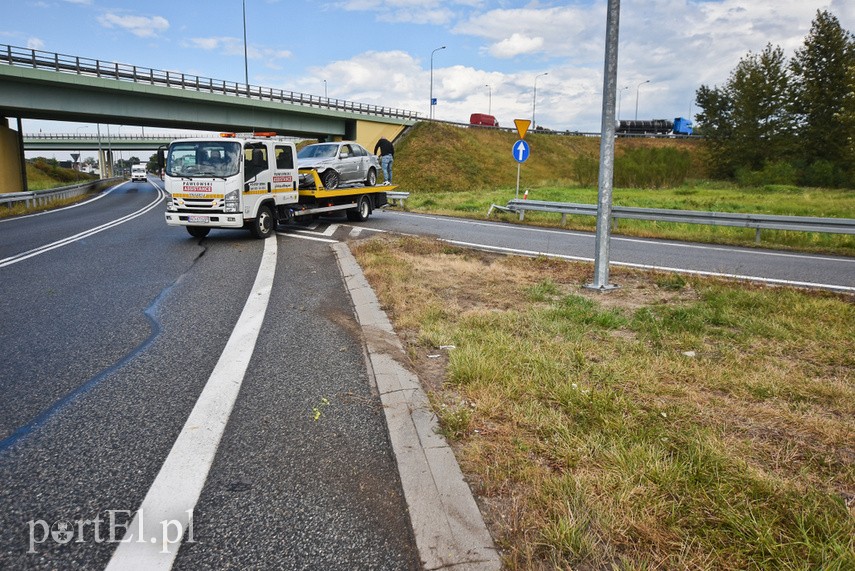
pixel 372 178
pixel 198 231
pixel 330 179
pixel 264 224
pixel 362 210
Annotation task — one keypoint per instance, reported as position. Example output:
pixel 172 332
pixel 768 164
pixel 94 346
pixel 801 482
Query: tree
pixel 748 121
pixel 821 74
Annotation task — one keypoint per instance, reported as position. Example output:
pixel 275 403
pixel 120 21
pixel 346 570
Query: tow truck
pixel 250 181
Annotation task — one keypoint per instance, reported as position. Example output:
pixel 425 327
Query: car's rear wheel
pixel 372 177
pixel 330 179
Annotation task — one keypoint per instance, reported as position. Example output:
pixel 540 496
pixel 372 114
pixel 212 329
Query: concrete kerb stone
pixel 448 526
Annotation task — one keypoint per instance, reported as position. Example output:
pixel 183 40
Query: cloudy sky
pixel 379 51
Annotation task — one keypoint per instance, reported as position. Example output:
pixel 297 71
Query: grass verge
pixel 703 196
pixel 676 423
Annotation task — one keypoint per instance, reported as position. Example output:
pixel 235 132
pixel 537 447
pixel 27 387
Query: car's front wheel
pixel 330 179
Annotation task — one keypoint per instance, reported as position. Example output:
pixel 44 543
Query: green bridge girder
pixel 41 94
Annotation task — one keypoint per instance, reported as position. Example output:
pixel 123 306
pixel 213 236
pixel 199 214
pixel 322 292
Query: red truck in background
pixel 483 119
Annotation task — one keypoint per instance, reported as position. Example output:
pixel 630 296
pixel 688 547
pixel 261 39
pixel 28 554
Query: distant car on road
pixel 483 119
pixel 339 163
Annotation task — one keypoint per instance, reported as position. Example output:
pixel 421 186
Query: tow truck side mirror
pixel 160 159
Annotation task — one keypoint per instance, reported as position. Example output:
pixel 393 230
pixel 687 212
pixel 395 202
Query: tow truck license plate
pixel 197 219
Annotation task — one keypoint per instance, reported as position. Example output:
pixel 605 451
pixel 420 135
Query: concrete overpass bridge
pixel 43 85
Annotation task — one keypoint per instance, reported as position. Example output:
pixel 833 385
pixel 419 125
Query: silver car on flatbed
pixel 340 163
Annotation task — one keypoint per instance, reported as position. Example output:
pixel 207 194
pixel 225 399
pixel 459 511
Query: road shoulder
pixel 448 526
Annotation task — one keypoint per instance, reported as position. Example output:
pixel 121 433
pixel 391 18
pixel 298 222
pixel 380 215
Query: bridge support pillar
pixel 367 133
pixel 105 163
pixel 12 173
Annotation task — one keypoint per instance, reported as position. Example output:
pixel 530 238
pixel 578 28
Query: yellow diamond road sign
pixel 522 126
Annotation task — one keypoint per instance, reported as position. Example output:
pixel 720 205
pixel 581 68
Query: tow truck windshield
pixel 191 159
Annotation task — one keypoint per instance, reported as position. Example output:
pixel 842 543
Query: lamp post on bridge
pixel 431 79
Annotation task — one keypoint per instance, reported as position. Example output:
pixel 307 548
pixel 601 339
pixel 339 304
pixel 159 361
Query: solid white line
pixel 150 544
pixel 304 237
pixel 80 236
pixel 737 249
pixel 772 281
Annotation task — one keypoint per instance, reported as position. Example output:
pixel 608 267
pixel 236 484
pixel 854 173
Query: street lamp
pixel 534 99
pixel 636 97
pixel 245 58
pixel 325 89
pixel 622 89
pixel 490 100
pixel 431 79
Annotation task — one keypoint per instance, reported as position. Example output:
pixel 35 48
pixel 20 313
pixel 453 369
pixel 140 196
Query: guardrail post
pixel 757 235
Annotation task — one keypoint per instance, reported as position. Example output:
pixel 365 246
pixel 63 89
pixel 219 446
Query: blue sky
pixel 379 51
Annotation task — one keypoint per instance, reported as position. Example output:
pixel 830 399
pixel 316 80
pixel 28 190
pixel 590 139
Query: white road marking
pixel 305 237
pixel 591 235
pixel 149 544
pixel 772 281
pixel 85 234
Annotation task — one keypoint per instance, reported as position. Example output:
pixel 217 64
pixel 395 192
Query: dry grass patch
pixel 677 423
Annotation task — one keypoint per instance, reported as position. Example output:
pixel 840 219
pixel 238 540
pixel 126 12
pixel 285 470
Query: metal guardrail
pixel 397 196
pixel 757 221
pixel 36 59
pixel 39 197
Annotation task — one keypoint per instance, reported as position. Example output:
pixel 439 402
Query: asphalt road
pixel 108 342
pixel 757 264
pixel 114 325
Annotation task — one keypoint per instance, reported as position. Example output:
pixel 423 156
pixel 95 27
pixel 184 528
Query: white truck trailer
pixel 249 182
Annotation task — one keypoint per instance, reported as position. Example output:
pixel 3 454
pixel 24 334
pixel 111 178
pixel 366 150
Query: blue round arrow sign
pixel 521 151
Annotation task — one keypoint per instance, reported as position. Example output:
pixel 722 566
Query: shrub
pixel 774 173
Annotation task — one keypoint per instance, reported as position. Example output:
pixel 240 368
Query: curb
pixel 447 524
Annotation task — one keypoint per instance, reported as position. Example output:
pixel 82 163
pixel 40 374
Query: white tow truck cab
pixel 249 182
pixel 138 172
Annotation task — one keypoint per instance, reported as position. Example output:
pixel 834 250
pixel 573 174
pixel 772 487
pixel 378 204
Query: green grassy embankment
pixel 461 172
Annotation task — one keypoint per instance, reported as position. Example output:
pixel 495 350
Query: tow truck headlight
pixel 170 205
pixel 231 201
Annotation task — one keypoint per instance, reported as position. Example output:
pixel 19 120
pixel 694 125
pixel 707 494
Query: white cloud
pixel 428 12
pixel 516 45
pixel 35 44
pixel 81 2
pixel 232 46
pixel 141 26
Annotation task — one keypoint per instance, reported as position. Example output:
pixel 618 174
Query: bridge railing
pixel 37 59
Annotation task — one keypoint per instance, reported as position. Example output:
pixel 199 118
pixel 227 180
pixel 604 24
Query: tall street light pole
pixel 534 99
pixel 431 79
pixel 245 58
pixel 489 100
pixel 622 89
pixel 636 97
pixel 607 152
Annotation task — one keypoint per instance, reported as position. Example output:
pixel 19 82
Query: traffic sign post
pixel 521 151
